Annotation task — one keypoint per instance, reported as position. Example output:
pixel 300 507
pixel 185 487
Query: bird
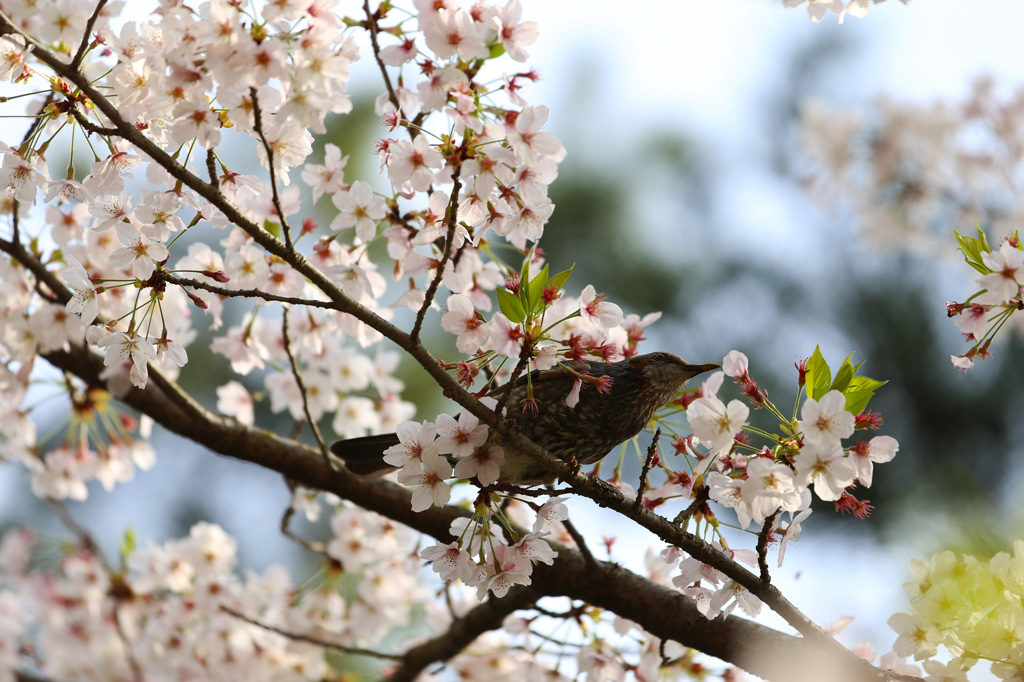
pixel 626 396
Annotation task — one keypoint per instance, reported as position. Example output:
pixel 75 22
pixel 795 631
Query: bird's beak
pixel 700 369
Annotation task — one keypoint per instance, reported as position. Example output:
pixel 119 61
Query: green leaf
pixel 537 289
pixel 524 272
pixel 819 376
pixel 843 376
pixel 983 238
pixel 524 281
pixel 559 280
pixel 972 249
pixel 497 49
pixel 857 401
pixel 128 543
pixel 859 393
pixel 511 306
pixel 865 384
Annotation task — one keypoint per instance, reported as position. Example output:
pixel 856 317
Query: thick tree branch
pixel 463 631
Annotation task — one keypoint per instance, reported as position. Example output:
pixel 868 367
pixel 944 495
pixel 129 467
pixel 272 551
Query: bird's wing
pixel 556 373
pixel 365 456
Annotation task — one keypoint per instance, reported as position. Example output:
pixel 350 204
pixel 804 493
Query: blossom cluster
pixel 968 606
pixel 817 9
pixel 761 484
pixel 913 171
pixel 1000 294
pixel 179 609
pixel 188 78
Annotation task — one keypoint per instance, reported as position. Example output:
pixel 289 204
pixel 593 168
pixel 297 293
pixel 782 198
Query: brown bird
pixel 585 432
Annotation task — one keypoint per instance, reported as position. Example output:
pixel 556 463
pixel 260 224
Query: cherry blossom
pixel 430 481
pixel 826 421
pixel 714 422
pixel 826 466
pixel 83 301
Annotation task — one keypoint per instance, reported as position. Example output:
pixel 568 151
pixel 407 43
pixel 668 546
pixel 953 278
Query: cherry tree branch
pixel 462 632
pixel 373 29
pixel 286 338
pixel 226 292
pixel 83 47
pixel 257 117
pixel 300 637
pixel 452 216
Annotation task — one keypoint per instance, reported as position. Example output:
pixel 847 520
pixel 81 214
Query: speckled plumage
pixel 586 431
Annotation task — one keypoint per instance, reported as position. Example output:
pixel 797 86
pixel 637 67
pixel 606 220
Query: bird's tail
pixel 365 456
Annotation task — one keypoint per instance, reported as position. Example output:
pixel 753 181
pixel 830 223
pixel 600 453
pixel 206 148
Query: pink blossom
pixel 512 34
pixel 824 465
pixel 431 489
pixel 449 561
pixel 416 441
pixel 448 32
pixel 459 438
pixel 595 308
pixel 411 162
pixel 826 421
pixel 484 463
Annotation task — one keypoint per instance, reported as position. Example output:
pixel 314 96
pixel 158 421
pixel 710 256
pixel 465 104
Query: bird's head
pixel 665 369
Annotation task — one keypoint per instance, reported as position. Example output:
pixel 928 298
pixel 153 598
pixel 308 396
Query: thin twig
pixel 581 544
pixel 371 26
pixel 90 126
pixel 530 492
pixel 76 61
pixel 652 451
pixel 700 500
pixel 241 293
pixel 525 353
pixel 133 662
pixel 452 215
pixel 89 544
pixel 78 530
pixel 574 612
pixel 762 546
pixel 302 390
pixel 311 545
pixel 211 165
pixel 462 632
pixel 258 127
pixel 341 648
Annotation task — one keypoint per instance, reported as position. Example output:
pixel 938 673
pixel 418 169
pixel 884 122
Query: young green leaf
pixel 845 373
pixel 972 249
pixel 819 376
pixel 524 283
pixel 537 285
pixel 857 401
pixel 983 239
pixel 559 280
pixel 511 306
pixel 865 384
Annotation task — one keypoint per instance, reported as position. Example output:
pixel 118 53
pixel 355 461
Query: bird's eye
pixel 661 357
